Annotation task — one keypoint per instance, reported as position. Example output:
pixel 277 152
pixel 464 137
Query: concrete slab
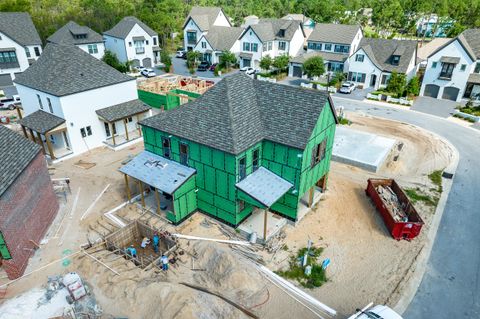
pixel 255 223
pixel 361 149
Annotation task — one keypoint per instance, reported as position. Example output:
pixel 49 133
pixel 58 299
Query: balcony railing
pixel 445 76
pixel 139 50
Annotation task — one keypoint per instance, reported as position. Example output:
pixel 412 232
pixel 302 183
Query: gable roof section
pixel 204 17
pixel 17 153
pixel 123 110
pixel 239 112
pixel 269 29
pixel 41 121
pixel 380 52
pixel 66 35
pixel 66 69
pixel 123 28
pixel 469 40
pixel 19 27
pixel 326 56
pixel 334 33
pixel 222 38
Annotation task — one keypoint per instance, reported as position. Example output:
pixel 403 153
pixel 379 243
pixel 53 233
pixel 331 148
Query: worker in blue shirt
pixel 132 251
pixel 156 242
pixel 164 261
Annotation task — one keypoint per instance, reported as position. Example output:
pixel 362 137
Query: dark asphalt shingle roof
pixel 334 33
pixel 204 17
pixel 65 35
pixel 239 112
pixel 327 56
pixel 19 27
pixel 17 153
pixel 469 39
pixel 41 121
pixel 223 38
pixel 380 52
pixel 122 110
pixel 269 29
pixel 123 28
pixel 66 69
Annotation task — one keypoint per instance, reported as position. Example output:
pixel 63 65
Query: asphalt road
pixel 451 285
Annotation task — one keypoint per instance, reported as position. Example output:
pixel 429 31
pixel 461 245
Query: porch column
pixel 265 217
pixel 139 128
pixel 41 142
pixel 20 116
pixel 129 195
pixel 140 186
pixel 32 135
pixel 310 196
pixel 112 132
pixel 49 145
pixel 157 196
pixel 126 129
pixel 24 131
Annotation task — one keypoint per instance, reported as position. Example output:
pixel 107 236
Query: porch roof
pixel 140 38
pixel 264 186
pixel 474 78
pixel 123 110
pixel 41 121
pixel 157 171
pixel 245 55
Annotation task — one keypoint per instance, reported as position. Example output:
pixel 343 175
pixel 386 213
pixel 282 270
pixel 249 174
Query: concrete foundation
pixel 364 150
pixel 255 223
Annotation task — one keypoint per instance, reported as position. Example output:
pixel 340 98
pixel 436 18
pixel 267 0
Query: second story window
pixel 359 57
pixel 166 147
pixel 27 52
pixel 434 65
pixel 50 105
pixel 477 68
pixel 341 48
pixel 447 71
pixel 328 47
pixel 318 153
pixel 154 41
pixel 463 67
pixel 92 49
pixel 139 48
pixel 246 46
pixel 255 159
pixel 37 51
pixel 39 102
pixel 254 47
pixel 270 43
pixel 204 45
pixel 282 45
pixel 192 37
pixel 183 154
pixel 242 168
pixel 395 59
pixel 8 59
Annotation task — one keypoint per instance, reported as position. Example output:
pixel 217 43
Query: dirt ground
pixel 366 263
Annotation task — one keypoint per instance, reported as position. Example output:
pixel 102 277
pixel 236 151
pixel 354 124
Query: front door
pixel 65 138
pixel 246 62
pixel 107 129
pixel 373 80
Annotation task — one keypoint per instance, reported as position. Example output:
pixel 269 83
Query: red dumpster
pixel 398 213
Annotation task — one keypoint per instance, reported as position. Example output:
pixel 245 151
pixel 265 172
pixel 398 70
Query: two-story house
pixel 308 23
pixel 198 23
pixel 74 102
pixel 134 41
pixel 453 70
pixel 217 40
pixel 81 36
pixel 375 60
pixel 273 37
pixel 333 42
pixel 20 45
pixel 257 157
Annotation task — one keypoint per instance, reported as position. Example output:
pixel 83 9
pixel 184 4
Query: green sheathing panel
pixel 152 99
pixel 184 200
pixel 174 101
pixel 325 128
pixel 4 253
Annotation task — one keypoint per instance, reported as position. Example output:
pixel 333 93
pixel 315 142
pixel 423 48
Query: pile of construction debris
pixel 393 203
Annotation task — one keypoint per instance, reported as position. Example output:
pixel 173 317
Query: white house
pixel 217 40
pixel 273 37
pixel 132 40
pixel 308 23
pixel 74 102
pixel 453 70
pixel 375 60
pixel 81 36
pixel 198 23
pixel 333 42
pixel 20 45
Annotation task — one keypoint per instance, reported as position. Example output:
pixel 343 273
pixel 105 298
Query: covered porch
pixel 156 180
pixel 121 122
pixel 262 189
pixel 49 131
pixel 472 89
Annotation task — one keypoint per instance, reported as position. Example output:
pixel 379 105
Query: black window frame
pixel 167 150
pixel 359 57
pixel 154 41
pixel 40 103
pixel 318 153
pixel 241 205
pixel 184 154
pixel 89 130
pixel 477 68
pixel 83 132
pixel 395 60
pixel 37 51
pixel 282 45
pixel 242 168
pixel 255 159
pixel 447 71
pixel 50 107
pixel 191 37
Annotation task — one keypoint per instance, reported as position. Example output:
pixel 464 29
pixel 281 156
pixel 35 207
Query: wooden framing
pixel 32 135
pixel 112 132
pixel 157 197
pixel 41 142
pixel 140 187
pixel 126 128
pixel 265 219
pixel 129 195
pixel 49 145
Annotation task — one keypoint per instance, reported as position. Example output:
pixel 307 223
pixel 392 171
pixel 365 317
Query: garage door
pixel 450 93
pixel 147 62
pixel 431 90
pixel 135 62
pixel 297 71
pixel 5 80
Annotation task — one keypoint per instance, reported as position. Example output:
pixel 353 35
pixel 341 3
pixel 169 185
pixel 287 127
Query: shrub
pixel 227 60
pixel 166 60
pixel 314 66
pixel 266 62
pixel 413 86
pixel 397 84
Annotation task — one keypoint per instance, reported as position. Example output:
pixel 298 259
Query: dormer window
pixel 395 59
pixel 80 36
pixel 282 32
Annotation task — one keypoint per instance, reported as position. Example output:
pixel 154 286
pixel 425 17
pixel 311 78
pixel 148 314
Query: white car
pixel 347 87
pixel 179 54
pixel 377 312
pixel 148 73
pixel 248 70
pixel 10 103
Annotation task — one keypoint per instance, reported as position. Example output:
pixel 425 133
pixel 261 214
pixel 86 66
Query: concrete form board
pixel 361 149
pixel 255 223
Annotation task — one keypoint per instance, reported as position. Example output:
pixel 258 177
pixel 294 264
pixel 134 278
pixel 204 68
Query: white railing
pixel 467 116
pixel 371 96
pixel 266 79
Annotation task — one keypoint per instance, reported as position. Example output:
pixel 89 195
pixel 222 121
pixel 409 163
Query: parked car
pixel 148 73
pixel 10 103
pixel 139 68
pixel 213 66
pixel 347 87
pixel 377 312
pixel 204 66
pixel 180 54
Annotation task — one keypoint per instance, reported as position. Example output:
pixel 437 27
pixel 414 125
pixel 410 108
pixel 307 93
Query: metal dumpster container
pixel 398 213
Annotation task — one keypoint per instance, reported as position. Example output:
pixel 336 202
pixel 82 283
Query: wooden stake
pixel 49 145
pixel 126 129
pixel 129 195
pixel 20 116
pixel 24 131
pixel 41 142
pixel 140 185
pixel 310 196
pixel 33 135
pixel 157 196
pixel 265 217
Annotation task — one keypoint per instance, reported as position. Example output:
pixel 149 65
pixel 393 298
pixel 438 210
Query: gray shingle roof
pixel 239 112
pixel 17 152
pixel 41 121
pixel 65 35
pixel 123 110
pixel 122 28
pixel 327 56
pixel 470 40
pixel 269 29
pixel 66 69
pixel 380 52
pixel 223 38
pixel 204 17
pixel 19 26
pixel 334 33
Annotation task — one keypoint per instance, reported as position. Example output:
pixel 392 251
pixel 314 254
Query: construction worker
pixel 164 260
pixel 156 242
pixel 145 242
pixel 132 251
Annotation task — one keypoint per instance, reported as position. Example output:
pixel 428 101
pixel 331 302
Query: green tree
pixel 314 66
pixel 281 62
pixel 166 60
pixel 111 59
pixel 266 62
pixel 227 60
pixel 193 57
pixel 413 86
pixel 396 84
